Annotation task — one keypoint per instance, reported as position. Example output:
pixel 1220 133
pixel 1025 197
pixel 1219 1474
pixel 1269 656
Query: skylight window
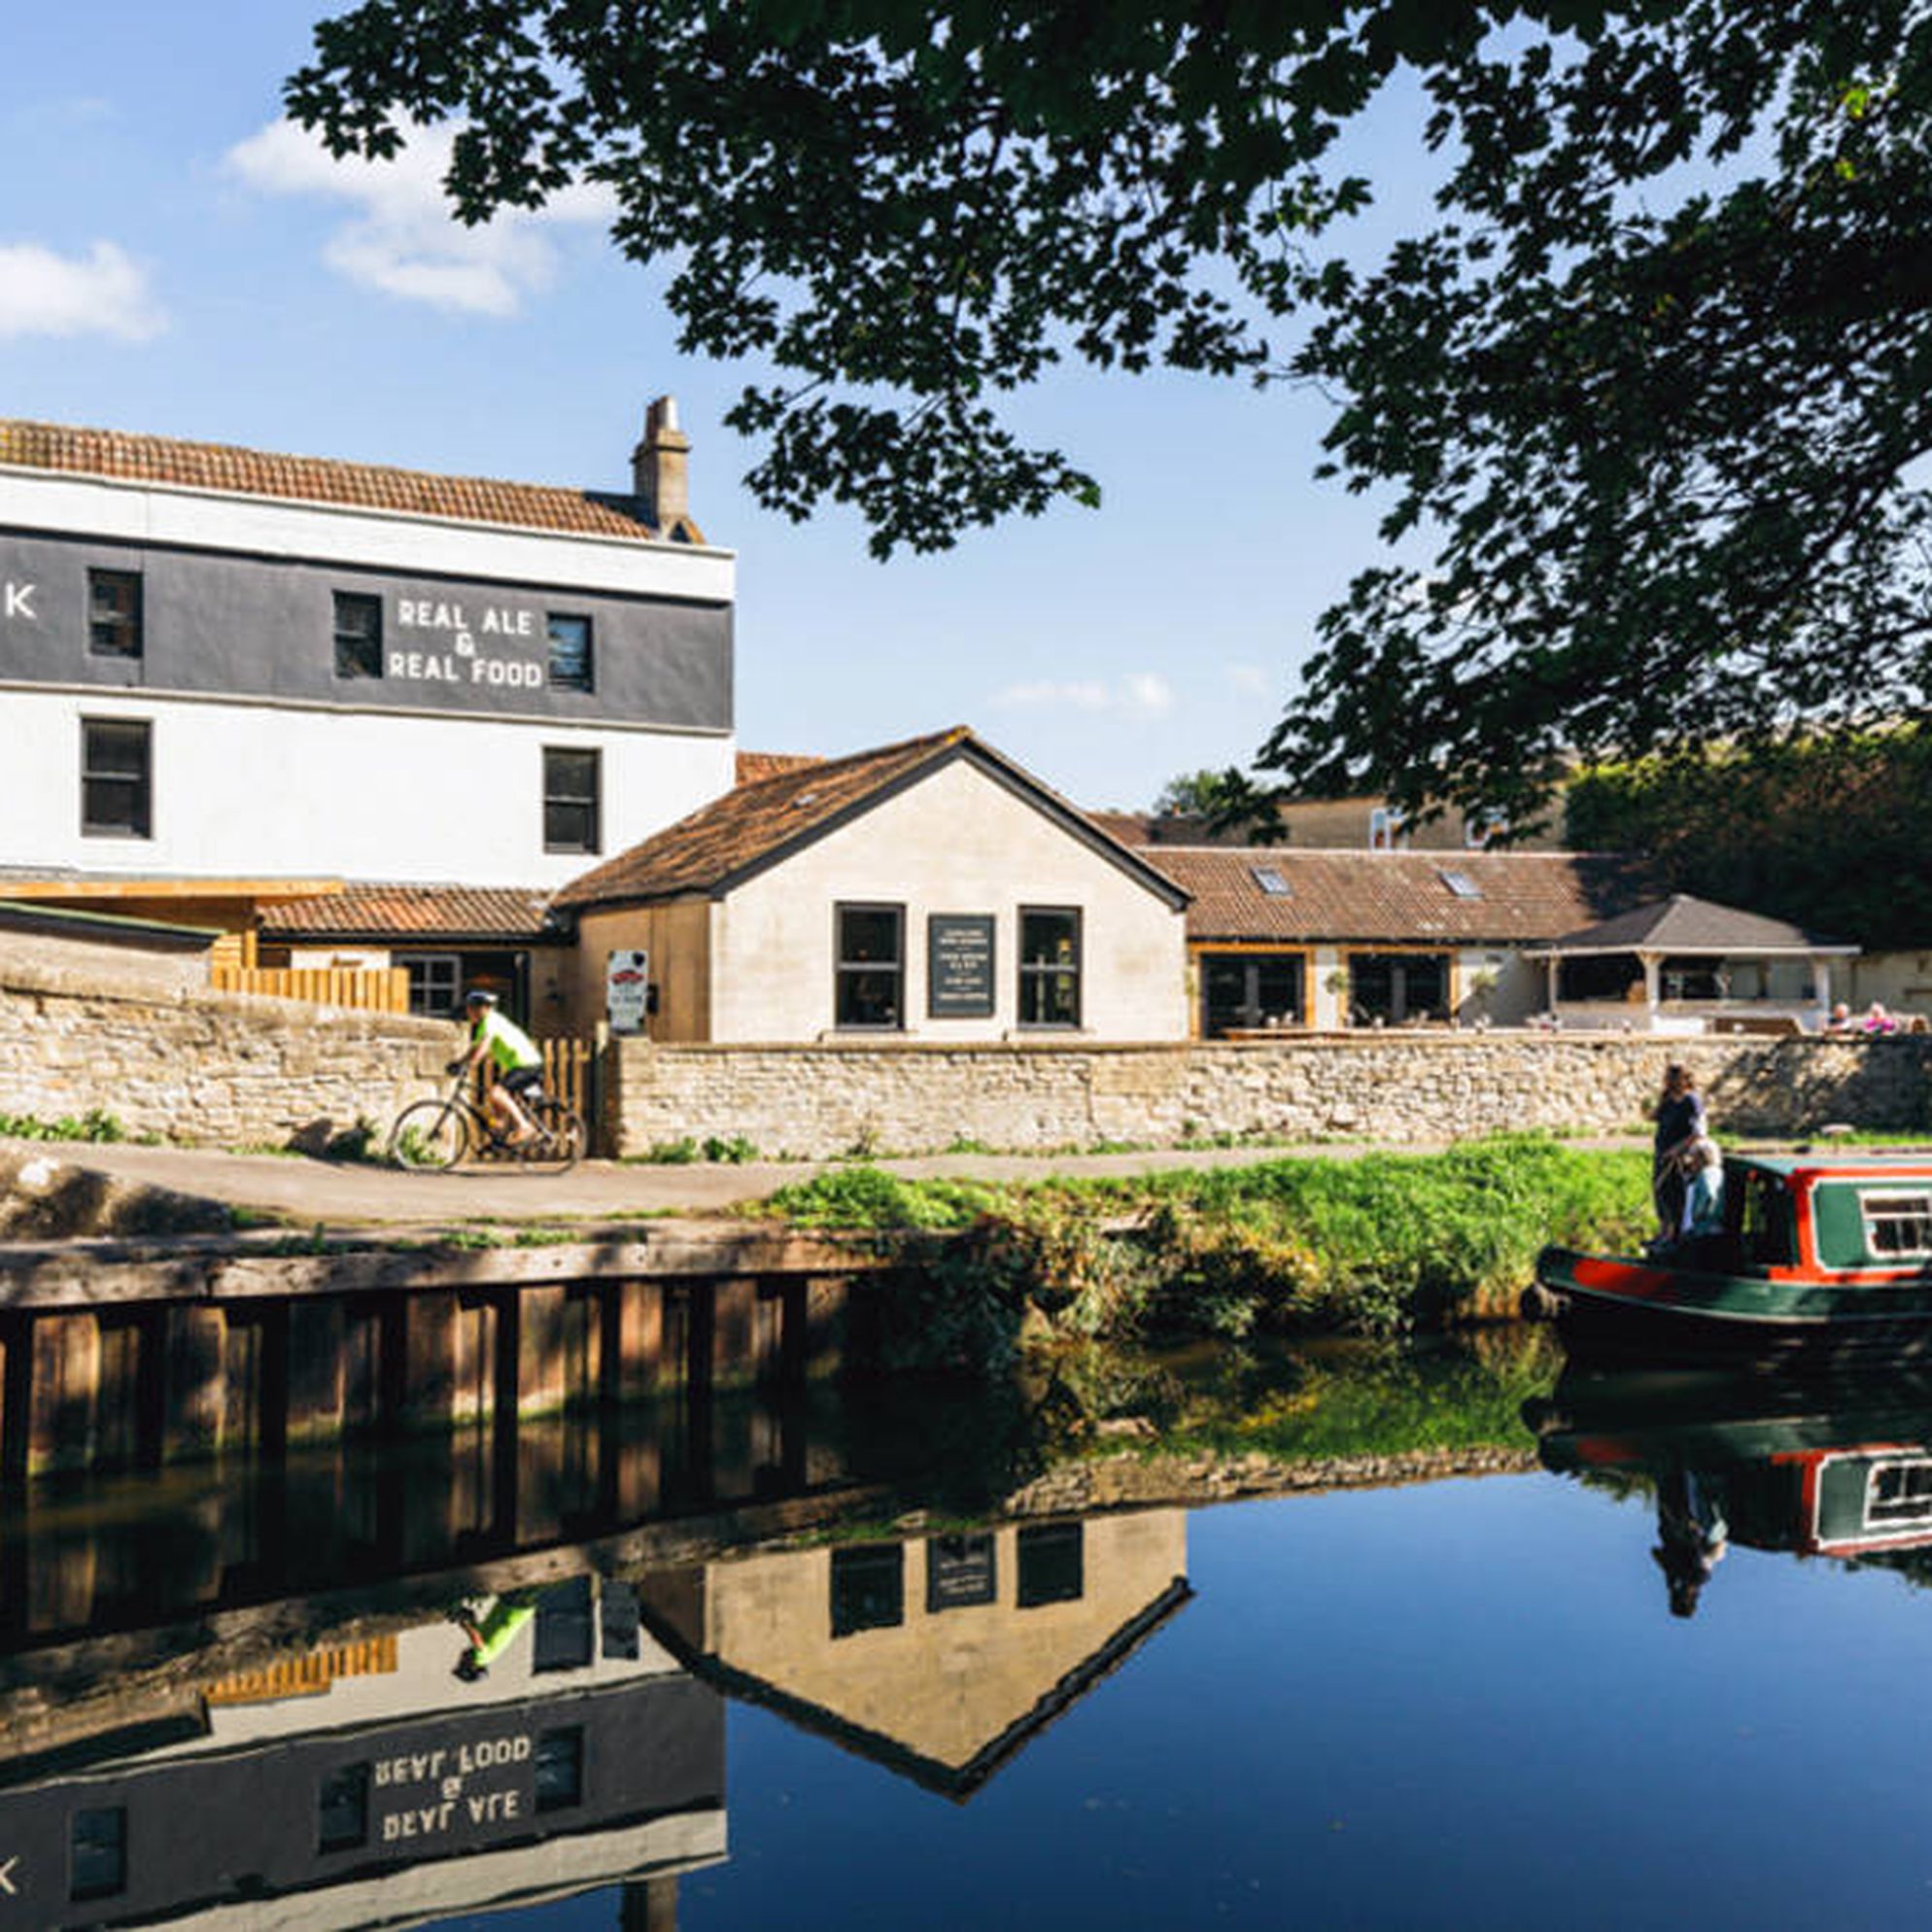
pixel 1461 884
pixel 1268 877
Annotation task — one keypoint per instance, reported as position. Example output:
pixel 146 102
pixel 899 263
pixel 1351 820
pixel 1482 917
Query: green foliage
pixel 1641 393
pixel 680 1153
pixel 1370 1245
pixel 734 1150
pixel 864 1196
pixel 1822 829
pixel 1204 794
pixel 94 1125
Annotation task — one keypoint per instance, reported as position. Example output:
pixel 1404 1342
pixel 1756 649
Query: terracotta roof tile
pixel 444 913
pixel 165 459
pixel 751 823
pixel 1394 897
pixel 756 766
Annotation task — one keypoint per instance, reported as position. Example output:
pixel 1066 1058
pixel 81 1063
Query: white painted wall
pixel 956 842
pixel 256 790
pixel 136 512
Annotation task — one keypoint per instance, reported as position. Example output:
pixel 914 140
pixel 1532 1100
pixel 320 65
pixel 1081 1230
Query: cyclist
pixel 518 1063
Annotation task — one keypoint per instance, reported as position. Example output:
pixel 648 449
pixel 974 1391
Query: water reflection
pixel 1838 1466
pixel 404 1681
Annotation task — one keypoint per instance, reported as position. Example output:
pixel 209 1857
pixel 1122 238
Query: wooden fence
pixel 571 1072
pixel 383 990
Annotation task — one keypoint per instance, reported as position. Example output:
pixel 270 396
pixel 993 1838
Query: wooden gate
pixel 574 1072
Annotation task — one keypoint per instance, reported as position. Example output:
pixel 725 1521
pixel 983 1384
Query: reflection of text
pixel 447 1768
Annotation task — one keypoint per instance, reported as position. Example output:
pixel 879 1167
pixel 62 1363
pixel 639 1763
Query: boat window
pixel 1898 1492
pixel 1897 1224
pixel 1764 1218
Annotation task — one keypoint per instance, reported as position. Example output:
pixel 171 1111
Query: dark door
pixel 1394 986
pixel 1249 990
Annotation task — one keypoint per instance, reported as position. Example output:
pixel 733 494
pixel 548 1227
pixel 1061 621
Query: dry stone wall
pixel 219 1069
pixel 820 1101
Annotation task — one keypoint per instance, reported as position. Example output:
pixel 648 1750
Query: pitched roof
pixel 753 765
pixel 757 825
pixel 442 912
pixel 1394 897
pixel 1686 925
pixel 308 479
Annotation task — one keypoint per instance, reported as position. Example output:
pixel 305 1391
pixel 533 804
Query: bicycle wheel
pixel 429 1136
pixel 559 1138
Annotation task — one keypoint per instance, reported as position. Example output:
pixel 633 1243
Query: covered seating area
pixel 1684 965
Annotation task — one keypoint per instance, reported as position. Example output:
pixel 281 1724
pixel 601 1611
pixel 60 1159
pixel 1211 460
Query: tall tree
pixel 1644 394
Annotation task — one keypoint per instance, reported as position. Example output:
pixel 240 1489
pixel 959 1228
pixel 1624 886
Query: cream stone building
pixel 927 891
pixel 940 1656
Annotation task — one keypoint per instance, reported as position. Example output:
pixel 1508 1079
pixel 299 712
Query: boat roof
pixel 1850 1162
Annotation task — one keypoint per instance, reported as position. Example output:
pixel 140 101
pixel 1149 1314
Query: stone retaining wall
pixel 820 1101
pixel 219 1069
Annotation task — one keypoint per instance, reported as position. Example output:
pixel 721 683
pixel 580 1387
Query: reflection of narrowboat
pixel 1822 1468
pixel 1821 1253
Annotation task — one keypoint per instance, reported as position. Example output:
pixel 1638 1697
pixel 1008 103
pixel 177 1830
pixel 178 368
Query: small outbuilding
pixel 1684 965
pixel 930 890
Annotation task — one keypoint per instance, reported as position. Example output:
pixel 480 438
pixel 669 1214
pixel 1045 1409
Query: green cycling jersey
pixel 505 1042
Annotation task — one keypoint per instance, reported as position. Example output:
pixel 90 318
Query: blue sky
pixel 172 261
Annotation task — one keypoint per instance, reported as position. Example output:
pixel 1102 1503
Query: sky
pixel 176 259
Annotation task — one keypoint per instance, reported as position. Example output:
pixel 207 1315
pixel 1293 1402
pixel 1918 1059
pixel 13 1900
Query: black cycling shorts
pixel 521 1080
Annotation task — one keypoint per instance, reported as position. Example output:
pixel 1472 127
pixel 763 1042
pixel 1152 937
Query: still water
pixel 1377 1637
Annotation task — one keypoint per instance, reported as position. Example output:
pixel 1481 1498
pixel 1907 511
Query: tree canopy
pixel 1825 832
pixel 1644 391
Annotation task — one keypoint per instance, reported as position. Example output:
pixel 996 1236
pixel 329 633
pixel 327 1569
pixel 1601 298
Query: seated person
pixel 1839 1020
pixel 1878 1021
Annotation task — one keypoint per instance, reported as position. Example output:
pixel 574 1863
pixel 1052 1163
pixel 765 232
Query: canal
pixel 1438 1635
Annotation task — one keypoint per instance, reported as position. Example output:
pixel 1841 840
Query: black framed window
pixel 571 657
pixel 358 634
pixel 113 613
pixel 97 1852
pixel 870 967
pixel 1052 1563
pixel 564 1638
pixel 435 982
pixel 570 812
pixel 868 1588
pixel 1049 966
pixel 342 1809
pixel 117 778
pixel 558 1763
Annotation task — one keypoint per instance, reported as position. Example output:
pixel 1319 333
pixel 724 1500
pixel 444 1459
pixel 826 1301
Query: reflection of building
pixel 940 1656
pixel 369 1781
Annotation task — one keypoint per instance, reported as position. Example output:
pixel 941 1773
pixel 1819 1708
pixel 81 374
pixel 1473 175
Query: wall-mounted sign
pixel 959 966
pixel 959 1572
pixel 627 985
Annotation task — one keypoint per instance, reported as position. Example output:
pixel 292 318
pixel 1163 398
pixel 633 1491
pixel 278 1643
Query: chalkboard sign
pixel 959 966
pixel 959 1572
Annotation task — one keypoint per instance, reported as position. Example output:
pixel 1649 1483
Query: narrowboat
pixel 1824 1256
pixel 1838 1466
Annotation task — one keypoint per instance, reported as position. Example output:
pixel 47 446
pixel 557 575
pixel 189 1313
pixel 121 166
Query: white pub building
pixel 229 678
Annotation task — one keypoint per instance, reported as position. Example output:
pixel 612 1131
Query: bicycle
pixel 431 1136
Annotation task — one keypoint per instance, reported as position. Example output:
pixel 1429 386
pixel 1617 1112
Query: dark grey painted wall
pixel 264 627
pixel 207 1830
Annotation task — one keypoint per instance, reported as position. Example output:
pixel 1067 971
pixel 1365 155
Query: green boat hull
pixel 1624 1308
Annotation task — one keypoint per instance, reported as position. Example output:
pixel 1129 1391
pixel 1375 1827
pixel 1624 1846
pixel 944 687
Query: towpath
pixel 306 1192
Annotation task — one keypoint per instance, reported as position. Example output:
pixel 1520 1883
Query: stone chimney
pixel 658 469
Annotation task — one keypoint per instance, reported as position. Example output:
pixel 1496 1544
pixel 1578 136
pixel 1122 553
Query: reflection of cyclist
pixel 513 1053
pixel 489 1623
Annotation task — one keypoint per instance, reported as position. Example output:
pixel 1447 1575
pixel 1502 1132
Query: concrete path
pixel 304 1192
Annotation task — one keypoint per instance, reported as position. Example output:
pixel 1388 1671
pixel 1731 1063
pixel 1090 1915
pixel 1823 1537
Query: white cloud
pixel 402 237
pixel 1139 694
pixel 102 293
